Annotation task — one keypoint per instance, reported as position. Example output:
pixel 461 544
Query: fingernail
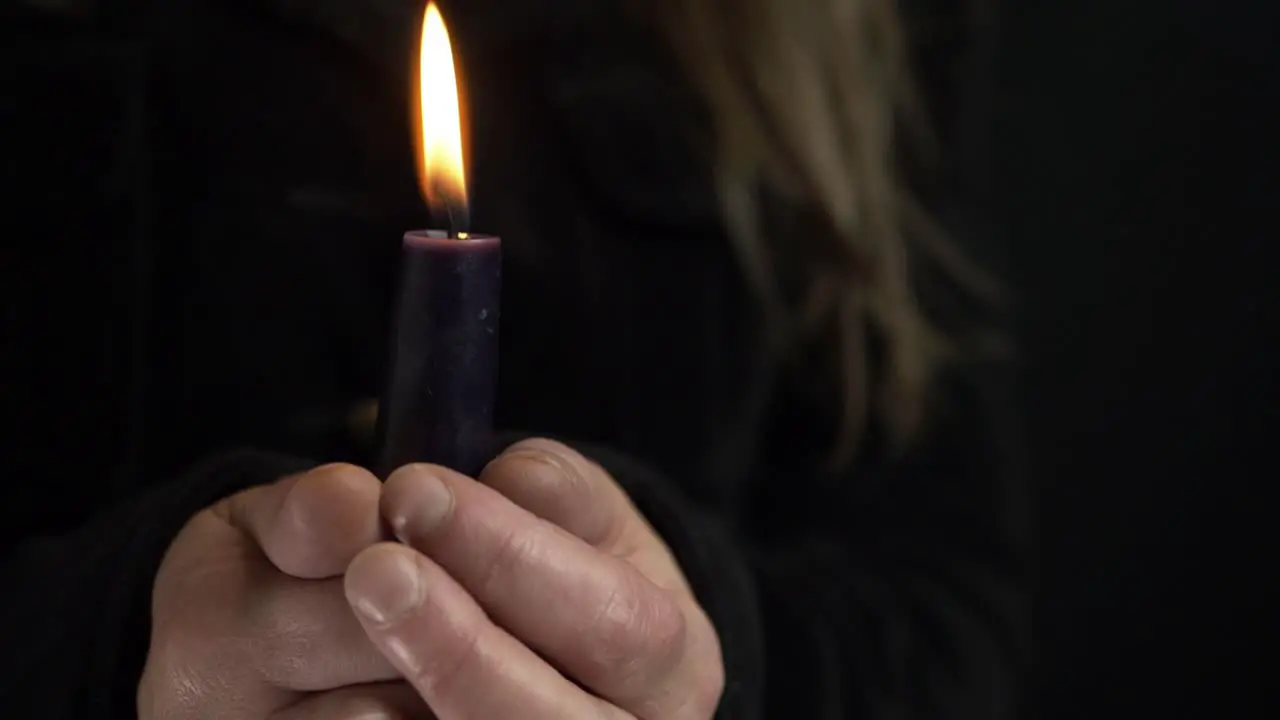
pixel 537 457
pixel 535 450
pixel 384 584
pixel 426 505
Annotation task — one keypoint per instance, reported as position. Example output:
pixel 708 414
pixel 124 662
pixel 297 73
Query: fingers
pixel 304 636
pixel 464 666
pixel 559 485
pixel 247 629
pixel 380 701
pixel 594 615
pixel 311 525
pixel 562 487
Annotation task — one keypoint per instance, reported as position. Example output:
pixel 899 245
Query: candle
pixel 441 383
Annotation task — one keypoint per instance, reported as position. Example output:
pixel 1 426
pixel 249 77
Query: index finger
pixel 592 614
pixel 463 665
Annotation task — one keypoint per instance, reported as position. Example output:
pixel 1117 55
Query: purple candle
pixel 438 405
pixel 441 384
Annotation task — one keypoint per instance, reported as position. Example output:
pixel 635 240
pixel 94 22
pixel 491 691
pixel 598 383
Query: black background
pixel 1136 176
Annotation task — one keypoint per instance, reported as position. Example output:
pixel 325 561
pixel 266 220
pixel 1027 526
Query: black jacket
pixel 207 200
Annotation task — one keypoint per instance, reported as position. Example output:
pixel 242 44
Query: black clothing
pixel 216 224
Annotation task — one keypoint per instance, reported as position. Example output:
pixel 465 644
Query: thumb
pixel 311 525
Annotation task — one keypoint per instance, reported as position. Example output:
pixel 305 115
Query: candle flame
pixel 441 173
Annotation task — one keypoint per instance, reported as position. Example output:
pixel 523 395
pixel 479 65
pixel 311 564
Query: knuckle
pixel 452 672
pixel 294 526
pixel 513 550
pixel 664 632
pixel 706 671
pixel 188 666
pixel 322 516
pixel 708 689
pixel 639 634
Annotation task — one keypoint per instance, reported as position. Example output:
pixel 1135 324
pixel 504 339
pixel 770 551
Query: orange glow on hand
pixel 441 173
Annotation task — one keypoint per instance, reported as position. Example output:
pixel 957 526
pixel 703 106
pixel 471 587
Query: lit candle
pixel 441 384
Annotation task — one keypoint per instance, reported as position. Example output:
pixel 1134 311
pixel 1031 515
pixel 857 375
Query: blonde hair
pixel 806 98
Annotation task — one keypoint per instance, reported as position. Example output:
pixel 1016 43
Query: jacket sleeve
pixel 908 596
pixel 75 608
pixel 904 595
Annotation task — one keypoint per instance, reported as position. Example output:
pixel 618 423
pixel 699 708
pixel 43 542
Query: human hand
pixel 538 592
pixel 248 615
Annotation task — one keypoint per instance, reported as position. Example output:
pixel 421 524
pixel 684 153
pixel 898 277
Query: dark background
pixel 1136 176
pixel 1134 169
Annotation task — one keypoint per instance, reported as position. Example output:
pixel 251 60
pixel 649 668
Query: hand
pixel 537 593
pixel 248 615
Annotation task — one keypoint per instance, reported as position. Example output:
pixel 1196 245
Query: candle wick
pixel 458 220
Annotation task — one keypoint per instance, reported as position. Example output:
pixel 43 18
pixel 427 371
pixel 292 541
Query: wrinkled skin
pixel 536 591
pixel 249 619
